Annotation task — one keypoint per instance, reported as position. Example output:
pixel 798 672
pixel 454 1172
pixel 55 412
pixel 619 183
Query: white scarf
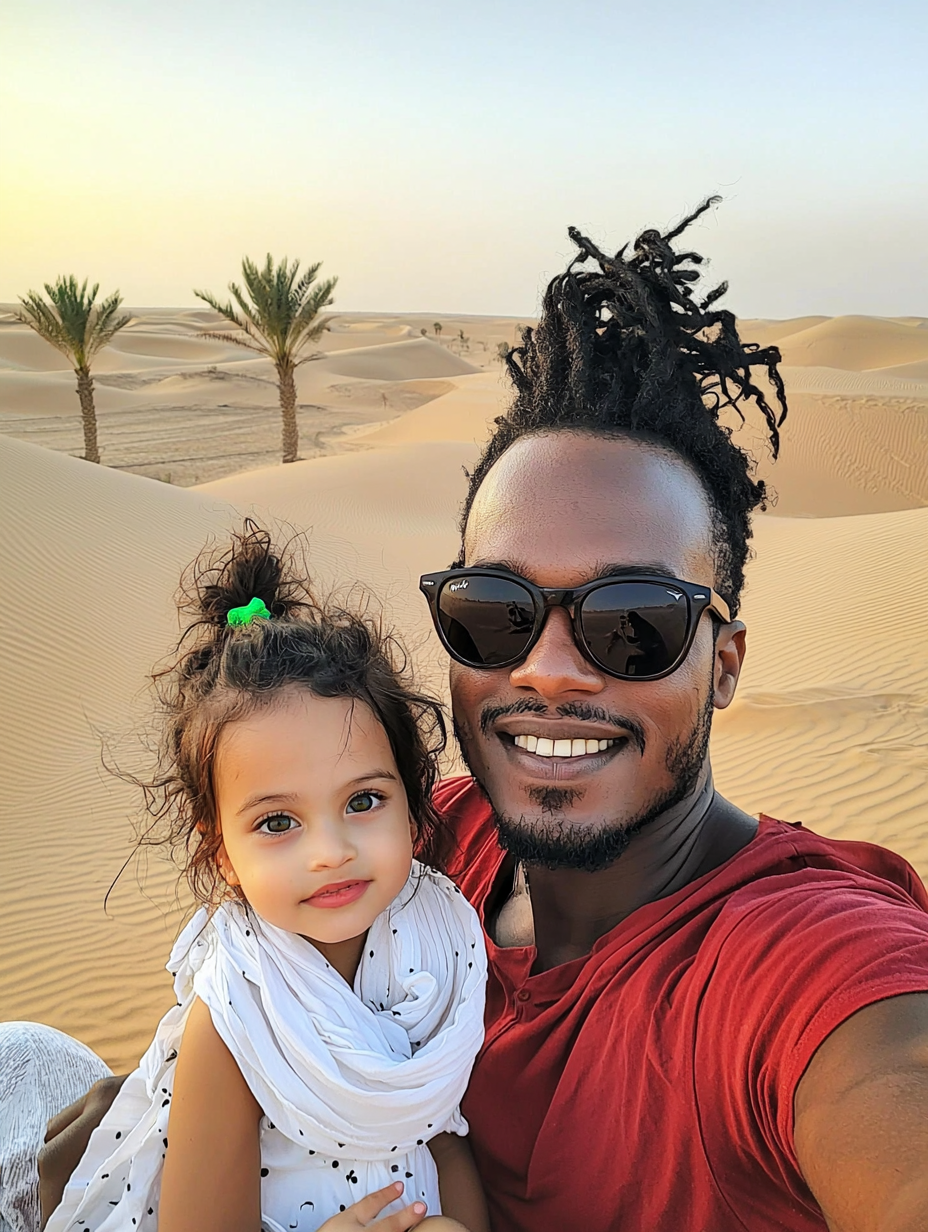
pixel 361 1077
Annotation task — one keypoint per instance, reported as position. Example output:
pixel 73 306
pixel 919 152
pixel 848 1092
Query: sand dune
pixel 844 455
pixel 856 343
pixel 831 721
pixel 53 393
pixel 404 525
pixel 171 347
pixel 88 568
pixel 21 348
pixel 903 381
pixel 843 452
pixel 176 406
pixel 916 371
pixel 465 413
pixel 400 360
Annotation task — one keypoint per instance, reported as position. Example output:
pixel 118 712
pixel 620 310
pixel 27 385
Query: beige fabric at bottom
pixel 41 1072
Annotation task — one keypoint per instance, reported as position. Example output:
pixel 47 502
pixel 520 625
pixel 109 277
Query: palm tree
pixel 279 320
pixel 78 327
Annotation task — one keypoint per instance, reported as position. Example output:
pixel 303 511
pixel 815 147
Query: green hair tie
pixel 255 610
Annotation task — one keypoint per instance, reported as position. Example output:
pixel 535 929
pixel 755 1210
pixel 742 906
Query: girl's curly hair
pixel 222 673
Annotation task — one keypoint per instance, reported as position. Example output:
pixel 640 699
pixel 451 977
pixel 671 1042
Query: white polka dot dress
pixel 353 1083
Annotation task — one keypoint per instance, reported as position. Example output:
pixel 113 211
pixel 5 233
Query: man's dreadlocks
pixel 626 350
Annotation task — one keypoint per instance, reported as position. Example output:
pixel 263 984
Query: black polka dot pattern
pixel 379 992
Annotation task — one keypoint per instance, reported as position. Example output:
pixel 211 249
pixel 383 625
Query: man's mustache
pixel 570 710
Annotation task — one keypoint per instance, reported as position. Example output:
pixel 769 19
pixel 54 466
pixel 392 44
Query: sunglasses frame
pixel 698 598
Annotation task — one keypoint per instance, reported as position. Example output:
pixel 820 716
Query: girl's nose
pixel 330 846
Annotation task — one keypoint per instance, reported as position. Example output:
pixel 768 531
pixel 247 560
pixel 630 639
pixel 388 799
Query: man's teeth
pixel 544 747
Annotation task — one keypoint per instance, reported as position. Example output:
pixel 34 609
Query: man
pixel 696 1022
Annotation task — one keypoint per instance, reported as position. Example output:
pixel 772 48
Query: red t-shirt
pixel 648 1087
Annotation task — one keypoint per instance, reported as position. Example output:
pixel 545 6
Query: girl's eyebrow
pixel 290 797
pixel 373 774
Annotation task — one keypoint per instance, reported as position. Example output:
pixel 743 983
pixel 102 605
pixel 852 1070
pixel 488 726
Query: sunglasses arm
pixel 718 605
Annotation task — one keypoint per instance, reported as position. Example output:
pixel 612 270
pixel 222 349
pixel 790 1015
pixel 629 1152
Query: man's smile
pixel 561 748
pixel 545 747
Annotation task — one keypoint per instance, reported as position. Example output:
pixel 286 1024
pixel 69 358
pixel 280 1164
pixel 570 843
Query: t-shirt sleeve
pixel 789 965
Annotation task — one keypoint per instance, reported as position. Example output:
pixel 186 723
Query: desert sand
pixel 830 725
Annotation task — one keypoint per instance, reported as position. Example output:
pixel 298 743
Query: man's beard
pixel 557 844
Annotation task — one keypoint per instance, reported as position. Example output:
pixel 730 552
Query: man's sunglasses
pixel 634 627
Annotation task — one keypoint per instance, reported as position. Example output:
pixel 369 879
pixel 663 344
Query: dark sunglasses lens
pixel 635 628
pixel 486 620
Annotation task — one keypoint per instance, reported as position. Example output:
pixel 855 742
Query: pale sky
pixel 433 154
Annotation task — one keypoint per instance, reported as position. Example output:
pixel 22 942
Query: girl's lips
pixel 338 894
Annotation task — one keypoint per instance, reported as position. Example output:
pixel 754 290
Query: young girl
pixel 330 990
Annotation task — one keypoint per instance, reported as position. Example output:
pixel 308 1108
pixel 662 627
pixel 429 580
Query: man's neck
pixel 570 910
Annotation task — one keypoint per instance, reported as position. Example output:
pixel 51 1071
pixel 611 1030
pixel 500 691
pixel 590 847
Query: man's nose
pixel 556 666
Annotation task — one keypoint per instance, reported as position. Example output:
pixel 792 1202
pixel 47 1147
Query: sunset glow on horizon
pixel 433 157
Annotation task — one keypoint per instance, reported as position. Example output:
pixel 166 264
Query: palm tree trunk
pixel 88 414
pixel 290 441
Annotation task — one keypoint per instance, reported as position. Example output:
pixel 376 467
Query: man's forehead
pixel 603 505
pixel 592 570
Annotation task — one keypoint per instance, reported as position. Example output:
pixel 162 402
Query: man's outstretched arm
pixel 861 1119
pixel 67 1137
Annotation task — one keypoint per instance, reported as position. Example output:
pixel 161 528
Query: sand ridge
pixel 830 725
pixel 176 406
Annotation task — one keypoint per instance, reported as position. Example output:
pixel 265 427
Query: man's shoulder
pixel 812 931
pixel 788 887
pixel 799 902
pixel 803 856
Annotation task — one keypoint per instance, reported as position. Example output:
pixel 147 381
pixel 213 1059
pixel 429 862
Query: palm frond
pixel 73 322
pixel 225 310
pixel 238 341
pixel 316 300
pixel 309 277
pixel 311 332
pixel 34 312
pixel 104 325
pixel 276 311
pixel 252 323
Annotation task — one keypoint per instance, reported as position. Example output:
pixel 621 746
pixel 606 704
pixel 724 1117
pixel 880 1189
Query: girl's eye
pixel 364 801
pixel 277 823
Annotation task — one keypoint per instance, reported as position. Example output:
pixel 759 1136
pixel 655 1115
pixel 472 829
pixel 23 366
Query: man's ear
pixel 730 649
pixel 224 864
